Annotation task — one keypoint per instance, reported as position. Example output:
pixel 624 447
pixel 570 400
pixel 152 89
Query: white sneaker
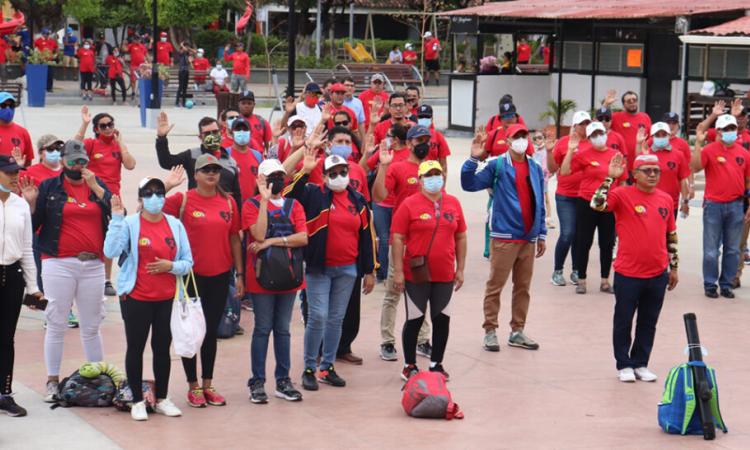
pixel 138 411
pixel 643 374
pixel 626 375
pixel 167 408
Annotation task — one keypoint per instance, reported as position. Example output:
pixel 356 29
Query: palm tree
pixel 551 113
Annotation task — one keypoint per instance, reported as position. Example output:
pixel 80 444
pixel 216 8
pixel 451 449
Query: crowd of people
pixel 346 191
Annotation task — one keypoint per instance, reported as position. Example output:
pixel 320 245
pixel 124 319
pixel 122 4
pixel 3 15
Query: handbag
pixel 188 324
pixel 420 270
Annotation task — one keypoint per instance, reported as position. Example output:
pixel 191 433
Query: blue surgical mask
pixel 6 114
pixel 728 137
pixel 153 204
pixel 4 189
pixel 342 150
pixel 661 142
pixel 52 156
pixel 425 122
pixel 433 184
pixel 241 137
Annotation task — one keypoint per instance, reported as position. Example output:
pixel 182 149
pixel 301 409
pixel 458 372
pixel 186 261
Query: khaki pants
pixel 743 245
pixel 70 61
pixel 507 257
pixel 388 313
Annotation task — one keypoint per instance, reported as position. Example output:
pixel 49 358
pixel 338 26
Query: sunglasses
pixel 10 105
pixel 105 125
pixel 210 169
pixel 377 82
pixel 344 123
pixel 294 126
pixel 77 162
pixel 340 173
pixel 150 192
pixel 650 172
pixel 411 100
pixel 53 147
pixel 538 138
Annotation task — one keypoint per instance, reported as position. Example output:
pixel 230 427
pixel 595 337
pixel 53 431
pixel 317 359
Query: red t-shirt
pixel 48 44
pixel 438 147
pixel 726 170
pixel 627 125
pixel 545 54
pixel 226 140
pixel 524 193
pixel 248 165
pixel 567 185
pixel 105 160
pixel 381 129
pixel 13 135
pixel 366 97
pixel 249 218
pixel 241 65
pixel 155 240
pixel 431 49
pixel 357 177
pixel 260 132
pixel 398 155
pixel 115 66
pixel 201 64
pixel 410 57
pixel 415 221
pixel 497 143
pixel 743 137
pixel 402 181
pixel 594 168
pixel 163 52
pixel 674 168
pixel 138 53
pixel 642 221
pixel 284 149
pixel 496 122
pixel 678 144
pixel 524 53
pixel 3 51
pixel 86 60
pixel 344 223
pixel 209 222
pixel 39 172
pixel 81 229
pixel 617 142
pixel 352 115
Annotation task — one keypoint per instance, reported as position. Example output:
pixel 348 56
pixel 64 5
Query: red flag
pixel 242 23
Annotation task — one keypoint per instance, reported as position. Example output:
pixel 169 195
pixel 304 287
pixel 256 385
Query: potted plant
pixel 36 77
pixel 551 114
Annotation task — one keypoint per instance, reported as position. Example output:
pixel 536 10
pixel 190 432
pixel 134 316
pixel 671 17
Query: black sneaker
pixel 331 377
pixel 109 290
pixel 309 383
pixel 727 293
pixel 9 406
pixel 409 371
pixel 285 389
pixel 257 392
pixel 388 352
pixel 439 368
pixel 711 293
pixel 425 350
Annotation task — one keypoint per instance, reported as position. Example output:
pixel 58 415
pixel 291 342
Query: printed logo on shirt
pixel 671 165
pixel 170 242
pixel 412 180
pixel 721 159
pixel 352 210
pixel 72 200
pixel 740 160
pixel 354 184
pixel 626 124
pixel 117 155
pixel 663 212
pixel 15 141
pixel 144 242
pixel 425 216
pixel 448 215
pixel 225 215
pixel 595 163
pixel 640 209
pixel 98 155
pixel 199 214
pixel 501 142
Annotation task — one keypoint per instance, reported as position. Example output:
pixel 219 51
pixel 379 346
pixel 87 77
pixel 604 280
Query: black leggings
pixel 587 221
pixel 121 82
pixel 182 84
pixel 213 292
pixel 350 326
pixel 11 286
pixel 140 317
pixel 418 296
pixel 86 80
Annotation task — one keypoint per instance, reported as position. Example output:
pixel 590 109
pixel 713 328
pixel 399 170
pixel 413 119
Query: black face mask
pixel 276 183
pixel 421 150
pixel 74 175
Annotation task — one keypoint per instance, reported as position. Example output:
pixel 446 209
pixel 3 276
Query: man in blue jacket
pixel 516 228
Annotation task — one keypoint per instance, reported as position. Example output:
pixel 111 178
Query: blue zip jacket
pixel 122 241
pixel 506 221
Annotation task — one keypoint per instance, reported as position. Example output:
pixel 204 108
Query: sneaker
pixel 490 341
pixel 167 408
pixel 626 375
pixel 285 389
pixel 309 382
pixel 727 293
pixel 643 374
pixel 518 339
pixel 711 293
pixel 257 392
pixel 52 388
pixel 408 371
pixel 138 411
pixel 246 304
pixel 425 349
pixel 9 406
pixel 72 320
pixel 558 279
pixel 213 398
pixel 109 290
pixel 574 277
pixel 581 287
pixel 330 376
pixel 388 352
pixel 239 331
pixel 439 369
pixel 196 398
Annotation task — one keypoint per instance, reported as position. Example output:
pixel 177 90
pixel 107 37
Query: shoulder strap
pixel 437 224
pixel 229 204
pixel 258 156
pixel 287 208
pixel 182 204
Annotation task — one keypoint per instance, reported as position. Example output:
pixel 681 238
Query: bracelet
pixel 286 242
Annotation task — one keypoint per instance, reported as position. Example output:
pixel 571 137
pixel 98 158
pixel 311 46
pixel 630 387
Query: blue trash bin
pixel 144 90
pixel 36 84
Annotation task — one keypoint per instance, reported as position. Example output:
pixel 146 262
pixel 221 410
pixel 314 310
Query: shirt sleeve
pixel 705 159
pixel 400 222
pixel 685 167
pixel 671 224
pixel 443 150
pixel 460 220
pixel 298 218
pixel 613 199
pixel 236 224
pixel 577 164
pixel 172 204
pixel 28 149
pixel 249 215
pixel 267 133
pixel 372 161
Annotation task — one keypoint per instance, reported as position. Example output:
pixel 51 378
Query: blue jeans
pixel 722 227
pixel 566 213
pixel 272 312
pixel 328 295
pixel 382 219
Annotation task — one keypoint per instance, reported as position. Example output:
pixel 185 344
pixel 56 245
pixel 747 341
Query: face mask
pixel 230 121
pixel 599 141
pixel 164 39
pixel 311 101
pixel 74 175
pixel 421 150
pixel 5 189
pixel 342 150
pixel 661 142
pixel 212 142
pixel 86 46
pixel 276 184
pixel 433 184
pixel 218 67
pixel 519 145
pixel 200 55
pixel 241 137
pixel 153 204
pixel 52 156
pixel 6 114
pixel 727 137
pixel 338 184
pixel 425 122
pixel 116 53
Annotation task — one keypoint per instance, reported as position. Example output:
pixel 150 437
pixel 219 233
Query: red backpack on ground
pixel 426 396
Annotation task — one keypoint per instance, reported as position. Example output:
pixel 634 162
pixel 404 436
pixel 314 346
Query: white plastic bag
pixel 188 324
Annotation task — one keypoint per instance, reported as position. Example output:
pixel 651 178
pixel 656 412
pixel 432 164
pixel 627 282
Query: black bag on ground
pixel 77 390
pixel 230 320
pixel 279 268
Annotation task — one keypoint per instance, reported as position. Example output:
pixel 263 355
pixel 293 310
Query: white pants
pixel 66 279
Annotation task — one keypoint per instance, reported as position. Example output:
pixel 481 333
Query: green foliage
pixel 185 13
pixel 107 13
pixel 212 40
pixel 565 107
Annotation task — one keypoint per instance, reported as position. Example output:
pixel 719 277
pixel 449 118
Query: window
pixel 577 56
pixel 620 58
pixel 723 62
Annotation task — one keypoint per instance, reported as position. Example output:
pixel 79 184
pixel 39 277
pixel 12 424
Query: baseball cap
pixel 507 98
pixel 603 114
pixel 47 140
pixel 645 160
pixel 581 116
pixel 269 166
pixel 73 150
pixel 163 34
pixel 725 120
pixel 424 111
pixel 515 129
pixel 427 166
pixel 337 87
pixel 240 120
pixel 206 159
pixel 427 34
pixel 200 50
pixel 5 96
pixel 9 164
pixel 671 117
pixel 660 126
pixel 594 126
pixel 378 77
pixel 507 109
pixel 313 87
pixel 295 118
pixel 407 46
pixel 45 30
pixel 333 161
pixel 146 182
pixel 247 95
pixel 417 131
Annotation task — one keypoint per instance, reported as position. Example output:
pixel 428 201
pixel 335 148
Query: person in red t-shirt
pixel 629 121
pixel 293 140
pixel 677 143
pixel 399 115
pixel 138 53
pixel 374 100
pixel 614 139
pixel 646 264
pixel 225 124
pixel 429 224
pixel 157 251
pixel 497 140
pixel 338 93
pixel 86 65
pixel 48 47
pixel 409 55
pixel 201 65
pixel 523 51
pixel 49 147
pixel 115 75
pixel 14 139
pixel 439 150
pixel 240 66
pixel 593 165
pixel 260 130
pixel 727 190
pixel 675 168
pixel 248 158
pixel 164 50
pixel 431 48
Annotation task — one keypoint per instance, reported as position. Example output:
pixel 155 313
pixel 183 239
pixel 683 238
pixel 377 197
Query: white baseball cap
pixel 427 34
pixel 593 126
pixel 333 161
pixel 580 117
pixel 269 166
pixel 660 126
pixel 200 50
pixel 725 120
pixel 407 46
pixel 295 118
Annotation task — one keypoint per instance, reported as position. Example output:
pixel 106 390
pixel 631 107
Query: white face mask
pixel 86 46
pixel 218 66
pixel 519 145
pixel 599 141
pixel 338 184
pixel 164 39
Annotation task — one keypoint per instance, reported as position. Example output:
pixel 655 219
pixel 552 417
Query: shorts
pixel 432 65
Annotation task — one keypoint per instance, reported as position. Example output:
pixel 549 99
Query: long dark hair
pixel 97 118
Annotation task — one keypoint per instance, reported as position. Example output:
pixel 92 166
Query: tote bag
pixel 188 324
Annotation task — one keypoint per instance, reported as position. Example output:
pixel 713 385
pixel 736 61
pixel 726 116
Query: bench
pixel 398 76
pixel 699 107
pixel 170 88
pixel 15 89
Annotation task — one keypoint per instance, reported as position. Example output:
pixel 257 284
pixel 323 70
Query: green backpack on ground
pixel 677 409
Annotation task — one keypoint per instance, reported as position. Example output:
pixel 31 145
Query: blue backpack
pixel 677 409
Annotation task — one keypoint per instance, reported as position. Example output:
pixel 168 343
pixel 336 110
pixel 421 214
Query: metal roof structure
pixel 737 27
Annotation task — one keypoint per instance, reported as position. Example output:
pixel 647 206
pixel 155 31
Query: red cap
pixel 645 160
pixel 337 87
pixel 514 129
pixel 163 34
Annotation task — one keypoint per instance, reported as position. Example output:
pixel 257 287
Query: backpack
pixel 279 268
pixel 77 390
pixel 230 320
pixel 426 396
pixel 123 400
pixel 258 155
pixel 677 409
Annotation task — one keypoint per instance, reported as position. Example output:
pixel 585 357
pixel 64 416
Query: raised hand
pixel 737 107
pixel 85 115
pixel 117 208
pixel 386 156
pixel 29 190
pixel 89 177
pixel 610 98
pixel 640 138
pixel 326 114
pixel 263 189
pixel 477 146
pixel 18 156
pixel 616 166
pixel 162 125
pixel 311 159
pixel 291 105
pixel 549 140
pixel 370 144
pixel 719 107
pixel 175 178
pixel 573 139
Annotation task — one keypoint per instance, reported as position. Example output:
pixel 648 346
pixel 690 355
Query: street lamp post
pixel 155 101
pixel 292 34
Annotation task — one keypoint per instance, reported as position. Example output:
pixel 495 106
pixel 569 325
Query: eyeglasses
pixel 8 105
pixel 340 173
pixel 630 100
pixel 538 138
pixel 77 162
pixel 150 192
pixel 53 147
pixel 397 105
pixel 105 125
pixel 210 169
pixel 411 99
pixel 377 82
pixel 344 123
pixel 650 172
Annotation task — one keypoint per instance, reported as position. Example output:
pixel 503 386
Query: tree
pixel 185 13
pixel 107 13
pixel 46 13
